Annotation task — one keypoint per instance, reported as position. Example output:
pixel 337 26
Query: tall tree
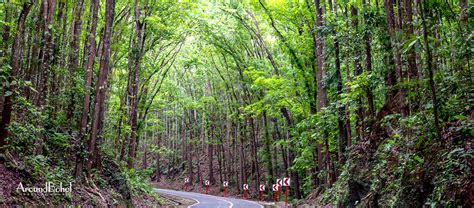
pixel 101 85
pixel 45 66
pixel 136 55
pixel 321 85
pixel 76 29
pixel 392 30
pixel 90 47
pixel 15 67
pixel 429 65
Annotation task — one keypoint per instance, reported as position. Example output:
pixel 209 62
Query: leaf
pixel 410 43
pixel 8 93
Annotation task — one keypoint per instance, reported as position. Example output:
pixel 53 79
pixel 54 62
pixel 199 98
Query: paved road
pixel 205 201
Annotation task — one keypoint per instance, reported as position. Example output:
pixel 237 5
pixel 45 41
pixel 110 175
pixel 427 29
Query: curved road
pixel 205 201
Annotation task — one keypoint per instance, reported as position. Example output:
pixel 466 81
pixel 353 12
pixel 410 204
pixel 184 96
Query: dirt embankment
pixel 106 190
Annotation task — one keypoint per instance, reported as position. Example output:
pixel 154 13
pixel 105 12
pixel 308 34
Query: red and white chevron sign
pixel 225 184
pixel 206 182
pixel 245 187
pixel 262 187
pixel 279 182
pixel 186 180
pixel 275 187
pixel 286 181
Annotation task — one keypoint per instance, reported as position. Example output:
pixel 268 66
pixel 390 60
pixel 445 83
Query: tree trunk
pixel 6 37
pixel 36 54
pixel 342 109
pixel 3 53
pixel 101 81
pixel 284 155
pixel 15 64
pixel 158 146
pixel 268 153
pixel 253 135
pixel 210 153
pixel 291 155
pixel 368 62
pixel 189 151
pixel 136 57
pixel 360 127
pixel 48 12
pixel 429 64
pixel 392 29
pixel 243 174
pixel 411 59
pixel 73 58
pixel 321 74
pixel 411 54
pixel 91 50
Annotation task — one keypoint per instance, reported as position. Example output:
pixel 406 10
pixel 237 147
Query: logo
pixel 49 187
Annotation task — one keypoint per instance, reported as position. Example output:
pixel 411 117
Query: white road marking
pixel 197 202
pixel 190 196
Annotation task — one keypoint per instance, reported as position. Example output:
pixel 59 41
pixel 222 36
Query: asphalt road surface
pixel 210 201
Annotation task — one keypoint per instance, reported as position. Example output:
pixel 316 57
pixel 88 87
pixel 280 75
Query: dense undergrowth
pixel 408 171
pixel 40 151
pixel 361 103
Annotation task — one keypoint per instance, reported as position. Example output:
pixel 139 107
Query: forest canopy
pixel 366 102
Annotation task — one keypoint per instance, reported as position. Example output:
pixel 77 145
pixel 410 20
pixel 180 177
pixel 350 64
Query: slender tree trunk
pixel 284 155
pixel 253 134
pixel 392 29
pixel 321 73
pixel 3 53
pixel 411 59
pixel 243 167
pixel 48 12
pixel 5 36
pixel 342 109
pixel 291 155
pixel 101 81
pixel 429 58
pixel 91 50
pixel 268 153
pixel 235 140
pixel 219 161
pixel 73 59
pixel 118 134
pixel 411 54
pixel 190 150
pixel 210 154
pixel 145 153
pixel 230 153
pixel 158 146
pixel 36 53
pixel 368 62
pixel 56 78
pixel 15 64
pixel 137 55
pixel 360 127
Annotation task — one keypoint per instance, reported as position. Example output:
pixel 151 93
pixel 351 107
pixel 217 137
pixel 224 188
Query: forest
pixel 361 103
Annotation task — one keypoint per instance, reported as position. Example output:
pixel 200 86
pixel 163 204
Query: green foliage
pixel 138 181
pixel 37 165
pixel 58 142
pixel 23 137
pixel 454 172
pixel 209 67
